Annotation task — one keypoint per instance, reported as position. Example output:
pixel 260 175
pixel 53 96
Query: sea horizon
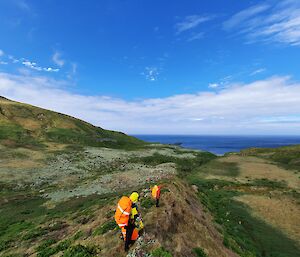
pixel 221 144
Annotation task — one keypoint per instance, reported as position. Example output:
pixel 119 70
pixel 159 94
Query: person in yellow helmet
pixel 135 224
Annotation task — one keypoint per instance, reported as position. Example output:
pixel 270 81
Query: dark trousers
pixel 157 202
pixel 129 231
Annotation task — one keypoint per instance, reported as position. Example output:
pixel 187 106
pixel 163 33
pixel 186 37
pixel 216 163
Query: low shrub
pixel 199 252
pixel 161 252
pixel 79 251
pixel 105 227
pixel 147 203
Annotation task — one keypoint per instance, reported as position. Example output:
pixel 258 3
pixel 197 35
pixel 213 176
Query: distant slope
pixel 286 156
pixel 26 125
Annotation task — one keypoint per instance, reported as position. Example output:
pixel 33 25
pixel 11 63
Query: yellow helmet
pixel 134 197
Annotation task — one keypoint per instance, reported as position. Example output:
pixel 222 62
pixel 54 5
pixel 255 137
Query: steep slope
pixel 27 125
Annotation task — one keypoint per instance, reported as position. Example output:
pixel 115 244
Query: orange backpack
pixel 154 191
pixel 123 210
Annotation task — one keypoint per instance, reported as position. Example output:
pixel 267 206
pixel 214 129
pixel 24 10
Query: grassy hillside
pixel 250 195
pixel 26 125
pixel 287 156
pixel 61 179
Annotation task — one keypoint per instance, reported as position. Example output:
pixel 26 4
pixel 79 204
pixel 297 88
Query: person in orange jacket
pixel 156 194
pixel 128 219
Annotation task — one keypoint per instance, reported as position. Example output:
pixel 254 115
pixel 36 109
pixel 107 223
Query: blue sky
pixel 163 67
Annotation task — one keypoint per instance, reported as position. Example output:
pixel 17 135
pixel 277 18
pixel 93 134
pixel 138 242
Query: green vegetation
pixel 96 137
pixel 184 165
pixel 49 251
pixel 243 233
pixel 29 220
pixel 199 252
pixel 24 218
pixel 161 252
pixel 79 234
pixel 216 167
pixel 287 156
pixel 264 182
pixel 16 136
pixel 29 126
pixel 79 251
pixel 105 227
pixel 45 244
pixel 147 203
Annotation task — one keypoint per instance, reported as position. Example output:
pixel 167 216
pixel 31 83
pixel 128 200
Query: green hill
pixel 27 125
pixel 61 179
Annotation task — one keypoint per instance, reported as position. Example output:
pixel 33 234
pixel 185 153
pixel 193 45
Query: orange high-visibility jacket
pixel 156 192
pixel 134 236
pixel 123 210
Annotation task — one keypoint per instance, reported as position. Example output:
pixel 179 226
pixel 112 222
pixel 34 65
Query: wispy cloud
pixel 278 23
pixel 245 15
pixel 10 59
pixel 34 66
pixel 57 59
pixel 13 59
pixel 261 70
pixel 237 109
pixel 223 83
pixel 281 119
pixel 21 4
pixel 213 85
pixel 151 73
pixel 191 22
pixel 196 36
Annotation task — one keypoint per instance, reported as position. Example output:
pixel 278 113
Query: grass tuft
pixel 161 252
pixel 105 227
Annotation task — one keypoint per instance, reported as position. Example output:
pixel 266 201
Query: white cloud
pixel 222 84
pixel 31 65
pixel 190 22
pixel 238 109
pixel 257 71
pixel 278 23
pixel 151 73
pixel 34 66
pixel 50 69
pixel 56 58
pixel 28 64
pixel 197 119
pixel 213 85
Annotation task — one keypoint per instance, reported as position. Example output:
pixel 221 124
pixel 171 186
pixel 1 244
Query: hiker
pixel 128 219
pixel 156 194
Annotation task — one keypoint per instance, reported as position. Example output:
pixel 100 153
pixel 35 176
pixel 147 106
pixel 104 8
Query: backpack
pixel 156 192
pixel 123 210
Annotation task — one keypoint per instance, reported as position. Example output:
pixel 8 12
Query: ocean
pixel 222 144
